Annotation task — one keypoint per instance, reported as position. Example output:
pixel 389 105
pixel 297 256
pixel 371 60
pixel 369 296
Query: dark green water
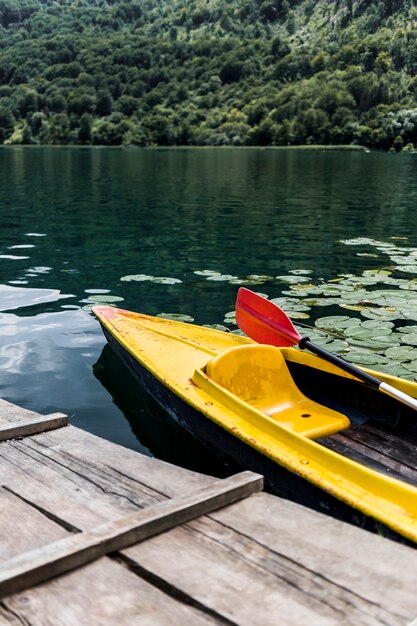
pixel 76 221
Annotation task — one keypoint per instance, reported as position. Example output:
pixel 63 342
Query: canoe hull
pixel 278 480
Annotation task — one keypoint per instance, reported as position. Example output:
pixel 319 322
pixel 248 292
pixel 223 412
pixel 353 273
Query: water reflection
pixel 77 222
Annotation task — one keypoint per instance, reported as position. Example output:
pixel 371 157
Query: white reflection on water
pixel 12 298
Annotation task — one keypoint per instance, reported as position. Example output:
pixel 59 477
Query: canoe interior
pixel 383 432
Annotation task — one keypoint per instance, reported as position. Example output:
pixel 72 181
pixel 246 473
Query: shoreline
pixel 318 148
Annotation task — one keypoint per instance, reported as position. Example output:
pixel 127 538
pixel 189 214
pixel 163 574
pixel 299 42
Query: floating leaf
pixel 103 299
pixel 408 329
pixel 360 241
pixel 222 277
pixel 165 280
pixel 337 322
pixel 206 273
pixel 367 358
pixel 177 317
pixel 402 353
pixel 411 366
pixel 217 327
pixel 409 338
pixel 136 277
pixel 409 269
pixel 293 280
pixel 258 277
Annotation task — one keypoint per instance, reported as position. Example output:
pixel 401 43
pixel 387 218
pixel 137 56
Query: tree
pixel 104 105
pixel 85 134
pixel 7 122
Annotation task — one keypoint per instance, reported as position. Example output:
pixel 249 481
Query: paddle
pixel 266 322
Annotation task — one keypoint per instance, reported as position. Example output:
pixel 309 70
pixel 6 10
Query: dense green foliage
pixel 209 72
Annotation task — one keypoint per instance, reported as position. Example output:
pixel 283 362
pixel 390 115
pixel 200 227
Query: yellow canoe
pixel 317 434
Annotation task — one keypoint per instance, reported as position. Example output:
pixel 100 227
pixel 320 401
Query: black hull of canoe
pixel 278 480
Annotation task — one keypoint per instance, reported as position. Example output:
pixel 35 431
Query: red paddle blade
pixel 263 320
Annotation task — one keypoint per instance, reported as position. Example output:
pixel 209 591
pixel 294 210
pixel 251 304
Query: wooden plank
pixel 90 480
pixel 103 593
pixel 377 448
pixel 23 527
pixel 386 442
pixel 12 413
pixel 36 566
pixel 303 565
pixel 23 428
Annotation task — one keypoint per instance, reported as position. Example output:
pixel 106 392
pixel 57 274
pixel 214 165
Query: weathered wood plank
pixel 103 593
pixel 23 528
pixel 377 448
pixel 263 548
pixel 37 566
pixel 12 413
pixel 257 562
pixel 89 480
pixel 34 426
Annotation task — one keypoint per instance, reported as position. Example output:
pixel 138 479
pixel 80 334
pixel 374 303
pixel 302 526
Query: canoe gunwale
pixel 387 499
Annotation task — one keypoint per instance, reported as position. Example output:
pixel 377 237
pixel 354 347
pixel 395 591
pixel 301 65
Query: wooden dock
pixel 95 534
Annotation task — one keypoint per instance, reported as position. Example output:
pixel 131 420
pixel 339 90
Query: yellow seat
pixel 258 374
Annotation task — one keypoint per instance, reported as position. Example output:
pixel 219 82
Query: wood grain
pixel 39 565
pixel 33 426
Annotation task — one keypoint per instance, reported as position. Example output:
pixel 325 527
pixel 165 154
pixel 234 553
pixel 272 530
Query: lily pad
pixel 408 329
pixel 409 338
pixel 177 317
pixel 217 327
pixel 367 358
pixel 165 280
pixel 337 322
pixel 104 299
pixel 136 277
pixel 359 241
pixel 206 273
pixel 222 277
pixel 402 353
pixel 409 269
pixel 293 280
pixel 411 366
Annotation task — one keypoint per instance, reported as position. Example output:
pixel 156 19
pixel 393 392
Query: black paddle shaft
pixel 305 343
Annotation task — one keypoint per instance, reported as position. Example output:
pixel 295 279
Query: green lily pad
pixel 222 277
pixel 136 277
pixel 360 241
pixel 217 327
pixel 293 280
pixel 402 353
pixel 337 346
pixel 177 317
pixel 337 322
pixel 409 269
pixel 409 285
pixel 408 329
pixel 367 358
pixel 103 299
pixel 409 338
pixel 206 273
pixel 411 366
pixel 382 313
pixel 165 280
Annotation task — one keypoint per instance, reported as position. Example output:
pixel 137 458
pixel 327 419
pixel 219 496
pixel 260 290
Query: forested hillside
pixel 209 72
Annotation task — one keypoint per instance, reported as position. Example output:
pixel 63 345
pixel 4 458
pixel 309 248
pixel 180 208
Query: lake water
pixel 77 222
